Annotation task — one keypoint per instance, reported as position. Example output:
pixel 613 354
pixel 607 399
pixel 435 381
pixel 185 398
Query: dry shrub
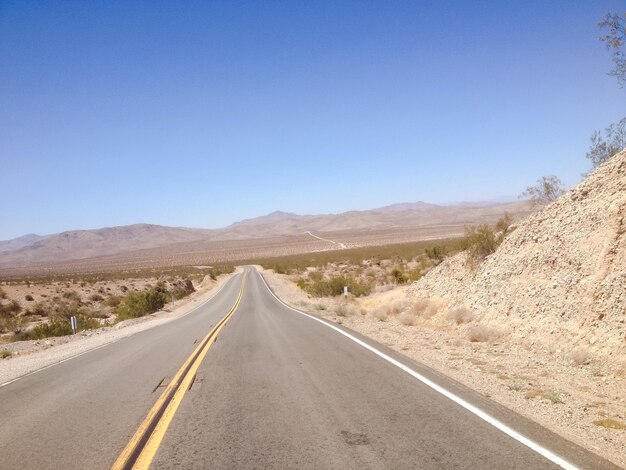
pixel 579 356
pixel 407 318
pixel 483 334
pixel 425 308
pixel 380 314
pixel 398 306
pixel 460 315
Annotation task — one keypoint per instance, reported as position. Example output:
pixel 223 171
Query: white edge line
pixel 32 372
pixel 438 388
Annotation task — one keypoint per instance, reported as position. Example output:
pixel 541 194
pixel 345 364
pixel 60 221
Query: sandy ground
pixel 564 398
pixel 30 356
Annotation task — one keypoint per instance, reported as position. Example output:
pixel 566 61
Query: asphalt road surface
pixel 266 388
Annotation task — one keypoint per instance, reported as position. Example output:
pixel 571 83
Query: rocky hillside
pixel 558 281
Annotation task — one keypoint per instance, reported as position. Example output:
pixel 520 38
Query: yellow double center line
pixel 141 449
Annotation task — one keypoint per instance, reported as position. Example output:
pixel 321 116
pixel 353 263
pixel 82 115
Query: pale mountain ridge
pixel 82 244
pixel 77 244
pixel 20 242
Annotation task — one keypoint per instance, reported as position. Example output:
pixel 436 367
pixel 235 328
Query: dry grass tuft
pixel 579 356
pixel 407 318
pixel 425 308
pixel 397 307
pixel 380 314
pixel 610 423
pixel 483 334
pixel 460 315
pixel 549 395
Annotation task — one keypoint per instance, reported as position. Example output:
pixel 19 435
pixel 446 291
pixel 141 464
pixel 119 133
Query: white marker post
pixel 74 324
pixel 345 292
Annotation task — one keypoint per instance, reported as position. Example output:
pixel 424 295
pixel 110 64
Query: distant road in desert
pixel 339 244
pixel 247 382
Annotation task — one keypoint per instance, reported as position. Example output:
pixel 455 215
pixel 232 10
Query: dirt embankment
pixel 559 280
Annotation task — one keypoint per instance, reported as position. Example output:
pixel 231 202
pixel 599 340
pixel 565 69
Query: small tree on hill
pixel 547 189
pixel 615 40
pixel 603 148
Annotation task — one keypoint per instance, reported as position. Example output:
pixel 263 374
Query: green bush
pixel 334 286
pixel 38 309
pixel 10 309
pixel 112 301
pixel 436 253
pixel 182 289
pixel 11 324
pixel 480 241
pixel 398 276
pixel 139 304
pixel 280 269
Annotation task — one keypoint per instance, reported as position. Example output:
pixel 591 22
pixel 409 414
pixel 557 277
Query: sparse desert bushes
pixel 460 315
pixel 334 286
pixel 483 334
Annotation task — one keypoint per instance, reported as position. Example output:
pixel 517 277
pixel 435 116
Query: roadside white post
pixel 74 324
pixel 345 292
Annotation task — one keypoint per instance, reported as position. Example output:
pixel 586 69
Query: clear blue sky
pixel 204 113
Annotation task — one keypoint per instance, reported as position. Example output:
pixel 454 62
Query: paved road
pixel 276 390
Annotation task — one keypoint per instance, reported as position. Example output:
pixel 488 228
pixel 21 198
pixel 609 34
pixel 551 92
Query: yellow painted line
pixel 142 447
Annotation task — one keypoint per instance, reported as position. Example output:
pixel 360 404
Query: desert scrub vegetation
pixel 333 286
pixel 195 273
pixel 609 423
pixel 139 304
pixel 94 304
pixel 436 253
pixel 482 240
pixel 397 253
pixel 363 270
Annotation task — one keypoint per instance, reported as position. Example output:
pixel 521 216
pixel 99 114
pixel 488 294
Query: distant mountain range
pixel 32 249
